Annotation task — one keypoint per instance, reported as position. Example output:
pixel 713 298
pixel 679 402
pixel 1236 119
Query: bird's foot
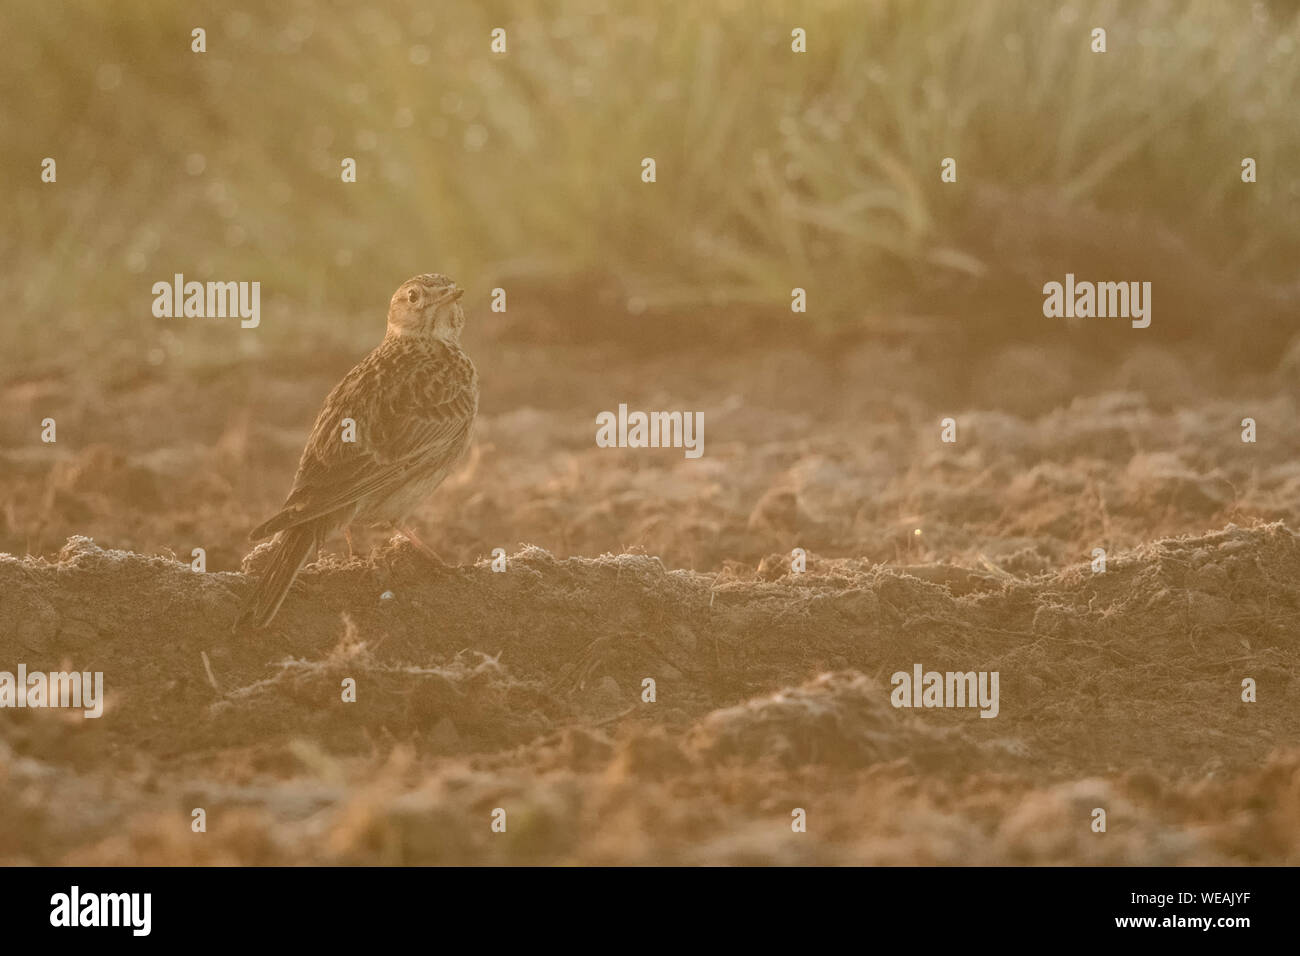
pixel 423 548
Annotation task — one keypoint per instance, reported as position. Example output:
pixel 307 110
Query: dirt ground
pixel 522 689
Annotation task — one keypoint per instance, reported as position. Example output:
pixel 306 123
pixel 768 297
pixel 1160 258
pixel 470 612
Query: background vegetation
pixel 774 170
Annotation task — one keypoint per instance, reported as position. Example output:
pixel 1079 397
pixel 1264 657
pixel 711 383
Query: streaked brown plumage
pixel 413 400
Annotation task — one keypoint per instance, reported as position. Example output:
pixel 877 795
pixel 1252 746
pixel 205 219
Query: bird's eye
pixel 413 295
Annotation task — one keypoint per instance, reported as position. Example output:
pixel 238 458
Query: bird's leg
pixel 347 534
pixel 420 546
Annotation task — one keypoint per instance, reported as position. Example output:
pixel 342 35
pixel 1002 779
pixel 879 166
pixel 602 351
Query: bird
pixel 411 403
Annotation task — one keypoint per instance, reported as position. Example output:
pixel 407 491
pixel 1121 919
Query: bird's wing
pixel 410 413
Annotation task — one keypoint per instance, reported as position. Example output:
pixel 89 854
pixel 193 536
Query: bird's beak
pixel 451 295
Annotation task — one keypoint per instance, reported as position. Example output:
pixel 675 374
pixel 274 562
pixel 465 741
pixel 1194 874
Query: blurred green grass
pixel 774 169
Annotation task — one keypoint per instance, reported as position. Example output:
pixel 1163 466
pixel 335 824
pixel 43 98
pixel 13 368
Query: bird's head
pixel 427 305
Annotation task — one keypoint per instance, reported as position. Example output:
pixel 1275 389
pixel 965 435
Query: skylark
pixel 413 401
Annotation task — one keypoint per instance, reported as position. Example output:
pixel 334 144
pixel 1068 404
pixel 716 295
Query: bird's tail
pixel 290 550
